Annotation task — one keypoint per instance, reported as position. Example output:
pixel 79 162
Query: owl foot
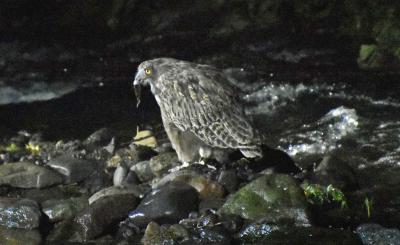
pixel 203 162
pixel 177 168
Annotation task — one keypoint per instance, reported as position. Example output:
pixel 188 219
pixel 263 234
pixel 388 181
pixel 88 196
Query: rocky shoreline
pixel 102 191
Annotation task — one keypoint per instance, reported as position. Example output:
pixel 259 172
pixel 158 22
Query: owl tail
pixel 252 152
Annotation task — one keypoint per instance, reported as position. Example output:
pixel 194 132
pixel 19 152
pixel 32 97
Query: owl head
pixel 148 73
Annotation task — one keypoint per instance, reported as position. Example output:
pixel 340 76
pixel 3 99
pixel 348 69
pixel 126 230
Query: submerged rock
pixel 19 213
pixel 58 210
pixel 19 236
pixel 106 208
pixel 167 204
pixel 73 169
pixel 374 234
pixel 27 175
pixel 275 198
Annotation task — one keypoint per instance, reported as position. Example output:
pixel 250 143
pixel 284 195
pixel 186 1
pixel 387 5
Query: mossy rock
pixel 274 198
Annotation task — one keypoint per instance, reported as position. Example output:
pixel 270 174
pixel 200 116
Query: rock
pixel 27 175
pixel 58 210
pixel 116 192
pixel 263 233
pixel 207 229
pixel 97 181
pixel 256 231
pixel 100 137
pixel 274 198
pixel 63 231
pixel 374 234
pixel 160 164
pixel 211 203
pixel 55 192
pixel 159 235
pixel 19 213
pixel 19 237
pixel 72 169
pixel 167 204
pixel 143 171
pixel 229 180
pixel 214 236
pixel 130 156
pixel 207 188
pixel 333 171
pixel 119 175
pixel 106 208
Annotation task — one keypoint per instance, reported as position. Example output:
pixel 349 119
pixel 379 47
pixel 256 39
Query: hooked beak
pixel 137 89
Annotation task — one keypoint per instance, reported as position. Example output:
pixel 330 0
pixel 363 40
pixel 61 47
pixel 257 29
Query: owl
pixel 200 110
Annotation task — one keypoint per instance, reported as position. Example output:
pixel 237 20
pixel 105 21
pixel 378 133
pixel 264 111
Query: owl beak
pixel 138 92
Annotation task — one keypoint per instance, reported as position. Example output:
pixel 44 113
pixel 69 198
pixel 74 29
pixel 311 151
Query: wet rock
pixel 275 198
pixel 214 236
pixel 27 175
pixel 19 213
pixel 207 188
pixel 143 171
pixel 256 231
pixel 160 164
pixel 228 180
pixel 106 208
pixel 167 204
pixel 72 169
pixel 262 233
pixel 374 234
pixel 19 236
pixel 209 228
pixel 333 171
pixel 159 235
pixel 58 210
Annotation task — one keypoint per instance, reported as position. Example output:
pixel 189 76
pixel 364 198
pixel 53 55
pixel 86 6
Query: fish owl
pixel 200 110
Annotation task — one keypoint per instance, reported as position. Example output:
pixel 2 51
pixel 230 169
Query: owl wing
pixel 205 104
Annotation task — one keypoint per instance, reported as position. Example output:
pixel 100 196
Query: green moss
pixel 272 197
pixel 366 51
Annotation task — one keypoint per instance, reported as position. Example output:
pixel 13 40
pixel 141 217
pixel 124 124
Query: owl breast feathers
pixel 198 107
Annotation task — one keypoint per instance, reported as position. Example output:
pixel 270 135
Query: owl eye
pixel 148 71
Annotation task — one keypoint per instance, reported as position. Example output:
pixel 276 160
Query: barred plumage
pixel 199 108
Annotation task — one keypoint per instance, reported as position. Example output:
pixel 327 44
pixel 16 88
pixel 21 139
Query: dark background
pixel 369 30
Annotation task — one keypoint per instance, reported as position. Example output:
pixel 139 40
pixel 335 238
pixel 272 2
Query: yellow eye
pixel 148 71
